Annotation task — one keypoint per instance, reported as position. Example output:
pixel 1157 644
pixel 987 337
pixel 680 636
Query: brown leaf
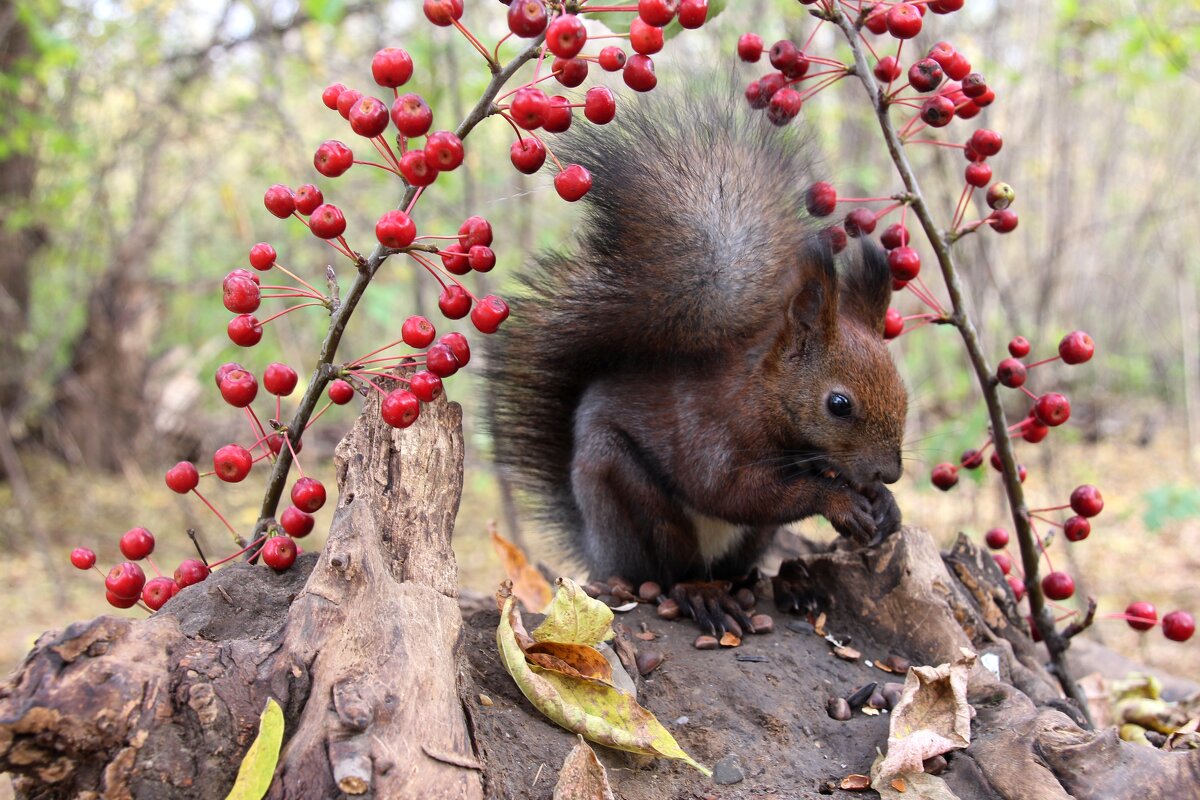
pixel 855 783
pixel 729 640
pixel 582 776
pixel 932 717
pixel 529 586
pixel 912 786
pixel 579 660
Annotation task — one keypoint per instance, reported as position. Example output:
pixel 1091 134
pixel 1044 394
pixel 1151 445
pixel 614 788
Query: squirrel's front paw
pixel 884 510
pixel 712 605
pixel 852 515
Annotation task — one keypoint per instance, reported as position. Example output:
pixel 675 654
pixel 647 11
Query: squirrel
pixel 696 373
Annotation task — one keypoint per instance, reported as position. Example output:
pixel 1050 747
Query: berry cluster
pixel 400 135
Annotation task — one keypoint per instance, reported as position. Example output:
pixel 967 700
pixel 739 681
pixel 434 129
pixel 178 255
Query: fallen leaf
pixel 598 711
pixel 258 767
pixel 529 586
pixel 582 776
pixel 581 661
pixel 855 783
pixel 899 785
pixel 910 786
pixel 932 717
pixel 575 618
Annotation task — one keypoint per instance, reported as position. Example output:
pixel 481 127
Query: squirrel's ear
pixel 867 287
pixel 814 307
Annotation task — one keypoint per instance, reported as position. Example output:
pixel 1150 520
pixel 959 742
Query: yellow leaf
pixel 597 711
pixel 528 584
pixel 575 618
pixel 258 767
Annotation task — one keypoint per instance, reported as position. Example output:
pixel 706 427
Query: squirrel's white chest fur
pixel 715 537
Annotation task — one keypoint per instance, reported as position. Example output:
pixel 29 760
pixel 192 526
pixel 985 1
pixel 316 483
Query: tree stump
pixel 383 686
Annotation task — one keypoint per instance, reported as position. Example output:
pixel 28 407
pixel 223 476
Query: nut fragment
pixel 649 591
pixel 648 661
pixel 668 609
pixel 838 708
pixel 728 639
pixel 705 642
pixel 745 598
pixel 763 623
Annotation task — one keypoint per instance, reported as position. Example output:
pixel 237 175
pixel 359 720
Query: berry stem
pixel 288 310
pixel 237 537
pixel 229 558
pixel 317 416
pixel 1043 361
pixel 298 280
pixel 493 64
pixel 1056 643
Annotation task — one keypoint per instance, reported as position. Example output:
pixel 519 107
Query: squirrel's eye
pixel 839 405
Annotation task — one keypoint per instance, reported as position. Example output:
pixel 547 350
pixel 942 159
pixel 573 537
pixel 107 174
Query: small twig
pixel 1079 626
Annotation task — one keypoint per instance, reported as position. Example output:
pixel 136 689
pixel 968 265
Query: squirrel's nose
pixel 891 473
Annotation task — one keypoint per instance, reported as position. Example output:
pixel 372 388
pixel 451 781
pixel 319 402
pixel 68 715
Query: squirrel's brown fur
pixel 662 391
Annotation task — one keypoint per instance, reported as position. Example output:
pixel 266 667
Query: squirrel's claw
pixel 852 516
pixel 790 586
pixel 708 603
pixel 884 511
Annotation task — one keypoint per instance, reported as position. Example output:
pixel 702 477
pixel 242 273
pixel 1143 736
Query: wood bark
pixel 387 693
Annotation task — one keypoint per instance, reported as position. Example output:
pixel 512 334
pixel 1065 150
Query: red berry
pixel 1000 196
pixel 488 313
pixel 83 558
pixel 244 330
pixel 986 142
pixel 442 13
pixel 904 21
pixel 391 67
pixel 473 231
pixel 559 116
pixel 296 522
pixel 788 59
pixel 158 591
pixel 1058 586
pixel 612 59
pixel 240 294
pixel 395 229
pixel 905 263
pixel 279 553
pixel 599 105
pixel 481 258
pixel 527 154
pixel 1019 347
pixel 750 47
pixel 887 69
pixel 971 459
pixel 645 39
pixel 400 408
pixel 693 13
pixel 327 221
pixel 835 237
pixel 333 158
pixel 280 379
pixel 417 332
pixel 232 463
pixel 1011 373
pixel 946 7
pixel 443 151
pixel 1076 529
pixel 262 256
pixel 454 259
pixel 572 183
pixel 529 107
pixel 860 222
pixel 1086 501
pixel 411 115
pixel 308 494
pixel 821 199
pixel 657 12
pixel 974 85
pixel 566 35
pixel 1052 409
pixel 125 580
pixel 945 476
pixel 136 544
pixel 331 94
pixel 454 301
pixel 276 443
pixel 957 67
pixel 937 111
pixel 1003 221
pixel 191 571
pixel 279 201
pixel 308 197
pixel 1003 561
pixel 639 73
pixel 426 386
pixel 996 538
pixel 183 477
pixel 570 72
pixel 893 236
pixel 1035 431
pixel 458 346
pixel 1146 615
pixel 440 360
pixel 416 169
pixel 340 392
pixel 978 174
pixel 527 18
pixel 784 106
pixel 346 101
pixel 1017 585
pixel 120 602
pixel 1178 626
pixel 893 324
pixel 925 75
pixel 1076 348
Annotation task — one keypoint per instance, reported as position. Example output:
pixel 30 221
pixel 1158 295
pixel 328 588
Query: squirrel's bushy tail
pixel 696 210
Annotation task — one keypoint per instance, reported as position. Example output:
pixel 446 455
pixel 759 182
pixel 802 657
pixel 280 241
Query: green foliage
pixel 1170 503
pixel 258 767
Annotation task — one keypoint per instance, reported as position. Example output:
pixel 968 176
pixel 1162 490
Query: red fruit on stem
pixel 693 13
pixel 416 169
pixel 876 19
pixel 340 392
pixel 442 13
pixel 395 229
pixel 279 201
pixel 1003 561
pixel 331 94
pixel 570 72
pixel 784 106
pixel 1058 586
pixel 986 142
pixel 893 236
pixel 83 558
pixel 232 463
pixel 475 230
pixel 327 221
pixel 481 258
pixel 1086 501
pixel 425 385
pixel 945 476
pixel 821 199
pixel 297 523
pixel 158 591
pixel 183 477
pixel 244 330
pixel 887 69
pixel 999 197
pixel 925 75
pixel 458 346
pixel 1011 373
pixel 893 324
pixel 645 39
pixel 527 18
pixel 280 379
pixel 1146 615
pixel 454 259
pixel 136 544
pixel 120 602
pixel 1178 626
pixel 558 117
pixel 454 301
pixel 937 111
pixel 391 67
pixel 417 332
pixel 444 151
pixel 527 154
pixel 658 12
pixel 566 35
pixel 411 115
pixel 1019 347
pixel 240 294
pixel 860 222
pixel 1076 529
pixel 333 158
pixel 346 101
pixel 262 256
pixel 1052 409
pixel 599 105
pixel 904 21
pixel 1017 585
pixel 191 571
pixel 835 237
pixel 440 360
pixel 308 494
pixel 1035 431
pixel 308 197
pixel 276 443
pixel 279 553
pixel 612 59
pixel 488 313
pixel 750 47
pixel 400 408
pixel 978 174
pixel 638 73
pixel 125 580
pixel 971 459
pixel 529 107
pixel 1076 348
pixel 904 263
pixel 996 538
pixel 572 183
pixel 1003 221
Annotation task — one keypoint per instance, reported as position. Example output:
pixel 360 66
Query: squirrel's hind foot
pixel 713 607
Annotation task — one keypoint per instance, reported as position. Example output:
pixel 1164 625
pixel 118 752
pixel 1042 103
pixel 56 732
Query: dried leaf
pixel 932 717
pixel 580 661
pixel 910 786
pixel 529 586
pixel 258 767
pixel 855 783
pixel 575 618
pixel 582 776
pixel 729 640
pixel 601 713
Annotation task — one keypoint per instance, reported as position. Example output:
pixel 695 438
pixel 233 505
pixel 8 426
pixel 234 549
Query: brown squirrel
pixel 697 373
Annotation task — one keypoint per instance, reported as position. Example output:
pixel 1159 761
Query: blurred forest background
pixel 139 136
